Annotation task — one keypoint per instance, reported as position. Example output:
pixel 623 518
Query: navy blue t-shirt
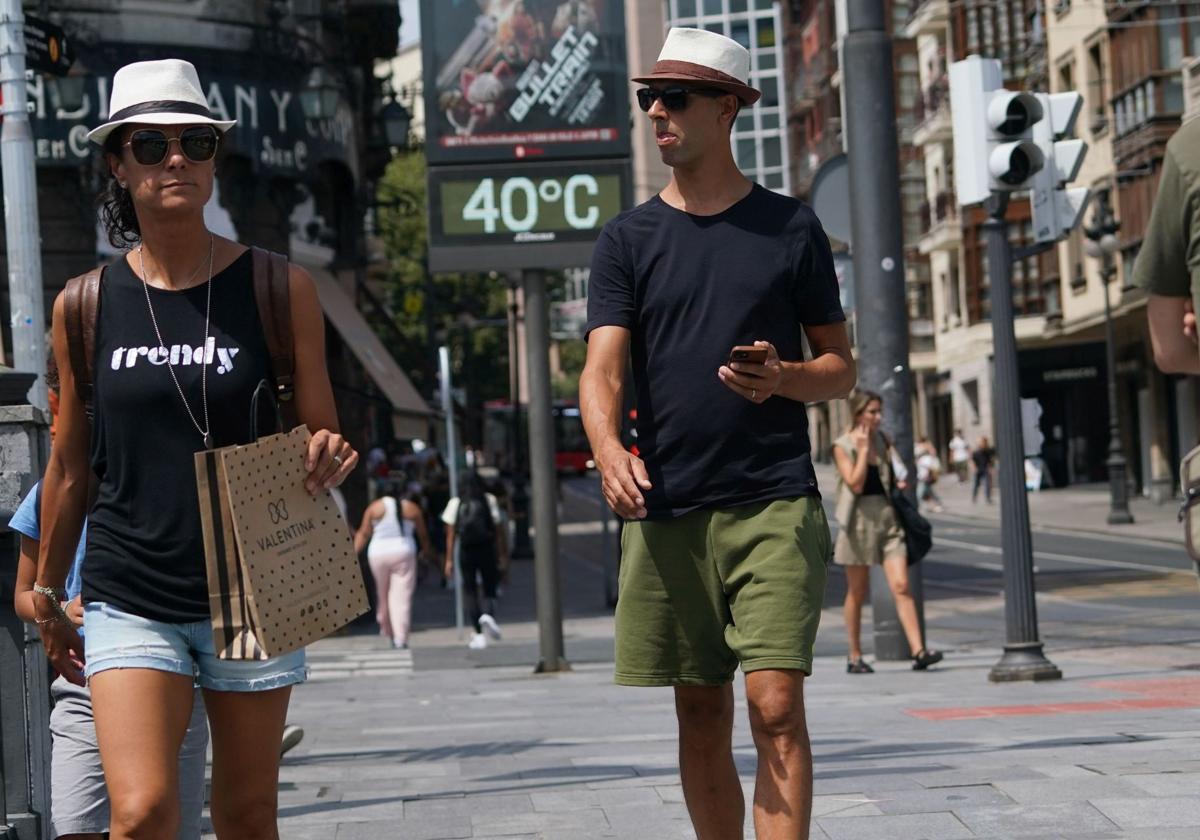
pixel 690 288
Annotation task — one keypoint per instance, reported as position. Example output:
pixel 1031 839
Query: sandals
pixel 925 658
pixel 858 666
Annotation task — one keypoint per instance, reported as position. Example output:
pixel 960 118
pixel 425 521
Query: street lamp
pixel 320 94
pixel 1102 244
pixel 396 121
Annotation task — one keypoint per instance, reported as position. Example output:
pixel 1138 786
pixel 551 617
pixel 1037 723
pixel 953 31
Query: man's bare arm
pixel 1174 350
pixel 831 373
pixel 601 389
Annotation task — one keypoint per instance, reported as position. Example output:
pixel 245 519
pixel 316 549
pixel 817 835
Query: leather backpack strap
pixel 274 299
pixel 81 313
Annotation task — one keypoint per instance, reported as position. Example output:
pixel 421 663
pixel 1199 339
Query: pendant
pixel 208 441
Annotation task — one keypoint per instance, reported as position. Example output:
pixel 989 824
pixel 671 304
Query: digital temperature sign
pixel 484 218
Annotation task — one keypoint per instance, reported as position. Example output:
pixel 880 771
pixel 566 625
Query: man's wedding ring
pixel 753 393
pixel 337 459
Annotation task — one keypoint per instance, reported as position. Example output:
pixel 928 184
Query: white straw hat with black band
pixel 165 92
pixel 700 57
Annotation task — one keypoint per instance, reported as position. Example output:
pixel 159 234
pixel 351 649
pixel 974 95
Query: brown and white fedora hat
pixel 165 92
pixel 700 56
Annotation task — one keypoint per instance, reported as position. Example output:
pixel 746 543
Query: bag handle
pixel 264 387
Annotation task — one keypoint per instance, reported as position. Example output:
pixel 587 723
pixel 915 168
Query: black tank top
pixel 145 550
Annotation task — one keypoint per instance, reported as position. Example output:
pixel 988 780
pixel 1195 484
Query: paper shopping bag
pixel 282 570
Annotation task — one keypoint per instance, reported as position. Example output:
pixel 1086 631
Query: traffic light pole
pixel 1023 657
pixel 877 233
pixel 18 164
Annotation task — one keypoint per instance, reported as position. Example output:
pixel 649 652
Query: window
pixel 685 8
pixel 1170 39
pixel 712 7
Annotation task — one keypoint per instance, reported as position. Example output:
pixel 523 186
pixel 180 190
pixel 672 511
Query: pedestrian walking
pixel 1166 260
pixel 79 808
pixel 180 349
pixel 960 456
pixel 929 470
pixel 869 532
pixel 390 530
pixel 983 459
pixel 473 520
pixel 711 286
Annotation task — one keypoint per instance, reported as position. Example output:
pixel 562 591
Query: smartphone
pixel 748 355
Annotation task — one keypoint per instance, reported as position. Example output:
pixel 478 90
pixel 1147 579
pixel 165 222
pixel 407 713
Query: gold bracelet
pixel 41 622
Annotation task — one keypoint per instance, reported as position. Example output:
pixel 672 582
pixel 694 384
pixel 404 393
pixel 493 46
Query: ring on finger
pixel 337 459
pixel 753 393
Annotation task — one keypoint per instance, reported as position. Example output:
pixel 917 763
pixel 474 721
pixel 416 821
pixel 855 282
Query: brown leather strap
pixel 273 295
pixel 81 311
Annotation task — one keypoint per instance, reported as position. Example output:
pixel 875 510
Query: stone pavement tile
pixel 1152 812
pixel 1070 818
pixel 1113 768
pixel 670 793
pixel 556 822
pixel 1073 789
pixel 941 799
pixel 845 806
pixel 1160 834
pixel 455 828
pixel 665 821
pixel 976 776
pixel 1167 784
pixel 467 806
pixel 581 799
pixel 941 826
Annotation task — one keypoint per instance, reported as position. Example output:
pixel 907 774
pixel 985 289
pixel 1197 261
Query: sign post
pixel 527 140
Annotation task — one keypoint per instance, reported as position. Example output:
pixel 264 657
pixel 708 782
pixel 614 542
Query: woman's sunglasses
pixel 673 98
pixel 149 146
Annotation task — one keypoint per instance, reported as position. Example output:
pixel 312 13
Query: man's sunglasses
pixel 673 98
pixel 150 146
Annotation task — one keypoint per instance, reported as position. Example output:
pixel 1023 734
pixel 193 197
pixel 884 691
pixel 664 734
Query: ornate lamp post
pixel 1102 244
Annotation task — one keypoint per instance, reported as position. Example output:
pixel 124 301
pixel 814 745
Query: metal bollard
pixel 24 671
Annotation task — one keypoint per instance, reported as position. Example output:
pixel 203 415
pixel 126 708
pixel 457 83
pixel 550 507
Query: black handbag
pixel 918 532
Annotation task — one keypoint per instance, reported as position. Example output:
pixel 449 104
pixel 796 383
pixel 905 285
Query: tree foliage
pixel 429 311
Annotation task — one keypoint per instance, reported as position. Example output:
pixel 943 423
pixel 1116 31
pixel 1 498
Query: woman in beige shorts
pixel 869 533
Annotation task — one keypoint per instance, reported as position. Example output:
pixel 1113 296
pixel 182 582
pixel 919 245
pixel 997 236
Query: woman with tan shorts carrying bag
pixel 869 532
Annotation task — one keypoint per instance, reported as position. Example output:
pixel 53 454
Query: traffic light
pixel 994 150
pixel 1057 209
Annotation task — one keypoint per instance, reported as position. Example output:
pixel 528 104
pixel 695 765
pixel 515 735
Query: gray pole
pixel 19 167
pixel 878 235
pixel 542 470
pixel 1023 658
pixel 443 354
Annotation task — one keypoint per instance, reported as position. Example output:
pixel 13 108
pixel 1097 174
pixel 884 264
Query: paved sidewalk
pixel 1079 508
pixel 1113 751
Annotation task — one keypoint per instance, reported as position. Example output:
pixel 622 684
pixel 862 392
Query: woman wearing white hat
pixel 179 350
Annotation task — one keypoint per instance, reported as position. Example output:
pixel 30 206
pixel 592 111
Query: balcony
pixel 943 230
pixel 933 115
pixel 930 17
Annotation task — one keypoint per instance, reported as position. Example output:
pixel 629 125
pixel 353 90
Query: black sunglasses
pixel 673 98
pixel 198 144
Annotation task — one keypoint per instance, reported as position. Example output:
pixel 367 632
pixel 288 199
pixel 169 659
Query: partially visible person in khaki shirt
pixel 1168 265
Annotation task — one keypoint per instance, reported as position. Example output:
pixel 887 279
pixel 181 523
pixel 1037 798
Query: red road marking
pixel 1183 693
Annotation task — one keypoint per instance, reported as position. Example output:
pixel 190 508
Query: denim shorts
pixel 116 639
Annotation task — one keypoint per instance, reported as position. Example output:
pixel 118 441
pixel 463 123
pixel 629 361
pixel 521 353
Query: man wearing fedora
pixel 710 285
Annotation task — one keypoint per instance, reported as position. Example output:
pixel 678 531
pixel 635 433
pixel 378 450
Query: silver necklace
pixel 162 347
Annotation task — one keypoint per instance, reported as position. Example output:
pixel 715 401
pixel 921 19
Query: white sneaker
pixel 478 642
pixel 490 627
pixel 292 735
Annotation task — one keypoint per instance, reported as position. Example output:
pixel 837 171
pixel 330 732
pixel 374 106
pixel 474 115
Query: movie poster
pixel 509 80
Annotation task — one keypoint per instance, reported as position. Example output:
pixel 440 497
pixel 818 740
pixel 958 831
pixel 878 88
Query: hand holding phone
pixel 748 354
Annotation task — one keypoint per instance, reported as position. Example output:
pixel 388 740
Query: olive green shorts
pixel 708 590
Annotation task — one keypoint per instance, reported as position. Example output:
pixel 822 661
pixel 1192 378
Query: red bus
pixel 572 452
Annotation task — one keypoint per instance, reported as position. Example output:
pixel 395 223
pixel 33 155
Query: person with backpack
pixel 159 355
pixel 472 520
pixel 390 528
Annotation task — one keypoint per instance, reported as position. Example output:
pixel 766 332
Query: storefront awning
pixel 368 349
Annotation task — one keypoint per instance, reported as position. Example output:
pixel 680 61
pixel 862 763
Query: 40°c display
pixel 522 208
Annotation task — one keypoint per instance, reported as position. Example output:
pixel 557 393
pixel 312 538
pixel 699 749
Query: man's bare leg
pixel 711 787
pixel 783 789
